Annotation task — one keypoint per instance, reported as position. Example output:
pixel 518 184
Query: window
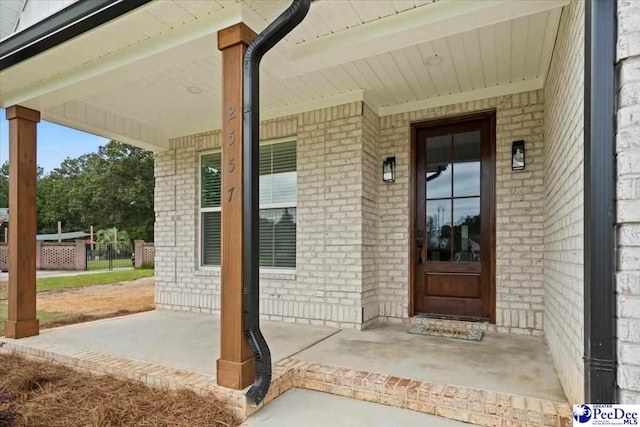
pixel 278 196
pixel 210 209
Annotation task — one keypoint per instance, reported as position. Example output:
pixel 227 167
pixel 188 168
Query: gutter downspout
pixel 600 364
pixel 263 42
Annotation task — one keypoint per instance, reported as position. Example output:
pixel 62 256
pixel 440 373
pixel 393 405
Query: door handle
pixel 420 242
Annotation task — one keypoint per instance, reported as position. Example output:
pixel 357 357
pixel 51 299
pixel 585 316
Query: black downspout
pixel 264 41
pixel 600 202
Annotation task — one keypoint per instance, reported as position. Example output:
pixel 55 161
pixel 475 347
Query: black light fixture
pixel 389 170
pixel 517 155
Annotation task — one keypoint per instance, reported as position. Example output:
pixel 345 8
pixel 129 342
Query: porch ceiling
pixel 132 79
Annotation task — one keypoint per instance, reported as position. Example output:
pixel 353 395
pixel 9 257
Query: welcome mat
pixel 463 334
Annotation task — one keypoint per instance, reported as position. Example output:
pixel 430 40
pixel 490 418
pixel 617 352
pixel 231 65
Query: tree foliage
pixel 107 189
pixel 112 235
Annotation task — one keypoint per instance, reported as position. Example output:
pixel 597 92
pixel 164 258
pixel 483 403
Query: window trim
pixel 280 205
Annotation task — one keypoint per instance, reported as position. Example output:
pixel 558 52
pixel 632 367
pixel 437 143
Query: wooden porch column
pixel 236 366
pixel 22 320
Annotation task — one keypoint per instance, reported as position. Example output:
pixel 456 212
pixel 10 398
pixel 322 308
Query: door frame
pixel 415 126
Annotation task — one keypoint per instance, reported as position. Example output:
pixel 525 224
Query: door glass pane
pixel 438 174
pixel 466 214
pixel 439 230
pixel 466 170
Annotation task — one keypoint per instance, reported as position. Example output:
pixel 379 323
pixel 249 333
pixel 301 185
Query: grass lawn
pixel 67 282
pixel 103 264
pixel 81 280
pixel 44 317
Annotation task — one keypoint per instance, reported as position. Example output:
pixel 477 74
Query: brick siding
pixel 564 207
pixel 352 250
pixel 628 195
pixel 333 260
pixel 519 214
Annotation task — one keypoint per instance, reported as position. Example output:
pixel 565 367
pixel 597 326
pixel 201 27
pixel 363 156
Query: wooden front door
pixel 454 231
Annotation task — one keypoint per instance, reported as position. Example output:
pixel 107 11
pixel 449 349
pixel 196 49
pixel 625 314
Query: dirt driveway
pixel 101 300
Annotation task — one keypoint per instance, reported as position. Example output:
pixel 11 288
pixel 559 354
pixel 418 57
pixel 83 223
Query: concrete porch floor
pixel 189 341
pixel 505 363
pixel 179 349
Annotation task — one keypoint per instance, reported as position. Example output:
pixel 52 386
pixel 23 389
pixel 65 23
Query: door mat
pixel 463 334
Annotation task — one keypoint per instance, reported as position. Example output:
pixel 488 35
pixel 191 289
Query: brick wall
pixel 628 189
pixel 352 250
pixel 564 236
pixel 519 216
pixel 333 260
pixel 371 177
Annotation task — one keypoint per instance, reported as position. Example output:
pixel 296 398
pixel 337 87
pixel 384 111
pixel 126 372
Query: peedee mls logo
pixel 606 415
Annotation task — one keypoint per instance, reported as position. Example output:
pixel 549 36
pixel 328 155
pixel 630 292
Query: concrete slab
pixel 189 341
pixel 506 363
pixel 299 407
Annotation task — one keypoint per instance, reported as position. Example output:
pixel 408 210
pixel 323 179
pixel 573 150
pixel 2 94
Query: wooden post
pixel 22 320
pixel 236 366
pixel 59 231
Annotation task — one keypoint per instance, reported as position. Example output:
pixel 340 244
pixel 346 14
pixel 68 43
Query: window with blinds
pixel 278 197
pixel 210 209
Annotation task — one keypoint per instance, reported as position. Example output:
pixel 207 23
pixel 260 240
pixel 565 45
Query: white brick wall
pixel 564 178
pixel 333 258
pixel 519 216
pixel 628 203
pixel 350 270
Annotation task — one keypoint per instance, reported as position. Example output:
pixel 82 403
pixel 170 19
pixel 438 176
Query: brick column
pixel 22 320
pixel 81 255
pixel 236 366
pixel 38 254
pixel 138 253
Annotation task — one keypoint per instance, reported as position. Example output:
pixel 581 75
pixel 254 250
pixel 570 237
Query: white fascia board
pixel 131 63
pixel 431 22
pixel 472 95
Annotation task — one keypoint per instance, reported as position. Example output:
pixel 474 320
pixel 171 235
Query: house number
pixel 231 136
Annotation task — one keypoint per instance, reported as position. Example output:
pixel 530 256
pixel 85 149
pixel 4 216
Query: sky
pixel 55 143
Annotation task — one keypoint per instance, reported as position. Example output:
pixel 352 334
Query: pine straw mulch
pixel 38 393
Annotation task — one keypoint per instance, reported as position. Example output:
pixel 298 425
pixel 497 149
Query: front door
pixel 454 218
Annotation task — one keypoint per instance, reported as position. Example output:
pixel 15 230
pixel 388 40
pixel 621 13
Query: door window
pixel 453 197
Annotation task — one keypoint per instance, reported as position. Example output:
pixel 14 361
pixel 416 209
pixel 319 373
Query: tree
pixel 110 188
pixel 113 235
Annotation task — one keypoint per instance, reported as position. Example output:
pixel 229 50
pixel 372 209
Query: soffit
pixel 142 66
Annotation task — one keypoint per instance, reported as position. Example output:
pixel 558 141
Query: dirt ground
pixel 101 300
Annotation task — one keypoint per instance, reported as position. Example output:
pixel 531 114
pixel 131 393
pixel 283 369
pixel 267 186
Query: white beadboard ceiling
pixel 129 79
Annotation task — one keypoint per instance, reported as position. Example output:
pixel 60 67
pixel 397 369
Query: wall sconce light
pixel 517 155
pixel 389 170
